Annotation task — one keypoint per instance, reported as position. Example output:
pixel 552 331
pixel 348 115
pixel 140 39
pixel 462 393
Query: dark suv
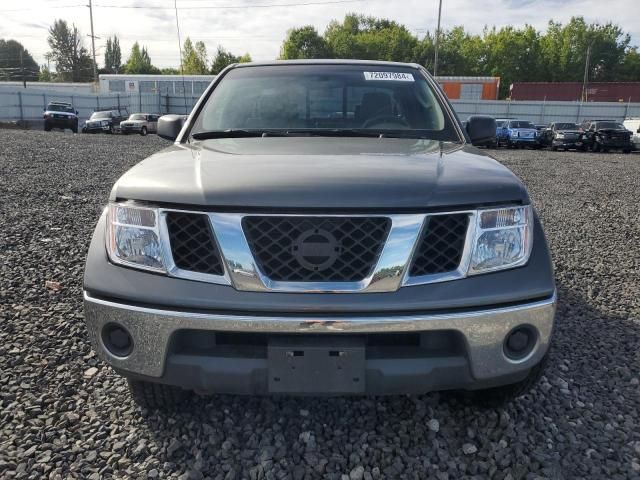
pixel 105 121
pixel 320 227
pixel 605 135
pixel 60 115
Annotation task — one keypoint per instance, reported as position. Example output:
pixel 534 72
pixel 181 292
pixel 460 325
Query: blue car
pixel 521 133
pixel 501 131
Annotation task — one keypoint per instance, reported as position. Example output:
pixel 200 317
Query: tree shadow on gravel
pixel 580 421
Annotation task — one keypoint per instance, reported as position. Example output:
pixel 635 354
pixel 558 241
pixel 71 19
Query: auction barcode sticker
pixel 392 76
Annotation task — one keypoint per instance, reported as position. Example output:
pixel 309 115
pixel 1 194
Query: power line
pixel 229 7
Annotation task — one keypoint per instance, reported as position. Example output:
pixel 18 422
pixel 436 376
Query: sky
pixel 259 26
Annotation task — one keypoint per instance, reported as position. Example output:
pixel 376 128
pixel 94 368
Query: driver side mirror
pixel 481 129
pixel 169 126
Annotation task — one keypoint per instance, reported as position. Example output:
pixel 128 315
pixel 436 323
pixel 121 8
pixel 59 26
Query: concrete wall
pixel 28 105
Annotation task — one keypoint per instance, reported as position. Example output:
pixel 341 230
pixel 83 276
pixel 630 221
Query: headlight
pixel 559 135
pixel 503 239
pixel 104 122
pixel 133 237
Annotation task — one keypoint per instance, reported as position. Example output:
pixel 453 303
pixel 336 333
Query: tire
pixel 497 396
pixel 111 131
pixel 555 149
pixel 143 131
pixel 74 129
pixel 626 150
pixel 47 128
pixel 156 395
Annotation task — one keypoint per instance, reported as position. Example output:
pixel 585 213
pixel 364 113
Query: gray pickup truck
pixel 320 228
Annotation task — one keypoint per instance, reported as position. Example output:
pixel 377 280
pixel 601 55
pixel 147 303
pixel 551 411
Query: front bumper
pixel 96 128
pixel 477 360
pixel 130 128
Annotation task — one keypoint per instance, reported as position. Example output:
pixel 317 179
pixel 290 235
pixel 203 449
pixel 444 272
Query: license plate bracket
pixel 317 365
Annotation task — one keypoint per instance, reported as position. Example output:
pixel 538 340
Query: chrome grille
pixel 192 243
pixel 441 246
pixel 316 249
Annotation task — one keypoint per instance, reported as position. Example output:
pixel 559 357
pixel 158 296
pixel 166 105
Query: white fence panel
pixel 28 105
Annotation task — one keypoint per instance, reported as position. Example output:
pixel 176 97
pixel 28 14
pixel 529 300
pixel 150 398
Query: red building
pixel 572 91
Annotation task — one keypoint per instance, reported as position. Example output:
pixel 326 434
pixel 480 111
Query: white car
pixel 141 123
pixel 633 125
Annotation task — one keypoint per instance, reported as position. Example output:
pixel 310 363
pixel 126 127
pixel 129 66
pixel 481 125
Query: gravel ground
pixel 66 415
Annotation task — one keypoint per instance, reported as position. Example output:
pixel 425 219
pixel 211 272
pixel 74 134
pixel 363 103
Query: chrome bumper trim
pixel 483 330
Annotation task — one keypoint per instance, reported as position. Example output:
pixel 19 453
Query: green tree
pixel 223 59
pixel 113 56
pixel 169 71
pixel 304 42
pixel 370 38
pixel 73 63
pixel 16 63
pixel 139 62
pixel 194 58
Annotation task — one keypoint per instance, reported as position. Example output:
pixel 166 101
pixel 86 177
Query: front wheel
pixel 156 395
pixel 626 150
pixel 143 131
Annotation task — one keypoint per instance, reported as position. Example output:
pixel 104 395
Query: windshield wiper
pixel 236 133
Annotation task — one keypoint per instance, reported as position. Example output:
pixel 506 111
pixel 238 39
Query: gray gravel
pixel 64 414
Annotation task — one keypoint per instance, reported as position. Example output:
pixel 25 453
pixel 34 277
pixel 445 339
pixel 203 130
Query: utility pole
pixel 585 79
pixel 435 58
pixel 24 80
pixel 93 44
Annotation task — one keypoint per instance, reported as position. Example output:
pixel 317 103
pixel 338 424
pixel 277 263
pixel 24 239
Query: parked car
pixel 521 133
pixel 633 125
pixel 563 135
pixel 605 135
pixel 141 123
pixel 487 129
pixel 277 249
pixel 60 115
pixel 107 121
pixel 501 131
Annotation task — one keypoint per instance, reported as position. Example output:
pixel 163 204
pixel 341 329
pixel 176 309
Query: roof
pixel 328 61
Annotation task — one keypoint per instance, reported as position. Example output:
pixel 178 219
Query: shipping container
pixel 572 91
pixel 470 88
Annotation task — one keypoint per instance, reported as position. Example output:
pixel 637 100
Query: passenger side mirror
pixel 481 129
pixel 169 126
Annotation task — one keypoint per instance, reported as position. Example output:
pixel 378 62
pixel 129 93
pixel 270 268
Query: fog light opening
pixel 520 342
pixel 117 340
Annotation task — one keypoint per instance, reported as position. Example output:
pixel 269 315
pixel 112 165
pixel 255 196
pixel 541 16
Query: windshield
pixel 567 126
pixel 60 108
pixel 137 116
pixel 95 115
pixel 313 98
pixel 611 125
pixel 521 124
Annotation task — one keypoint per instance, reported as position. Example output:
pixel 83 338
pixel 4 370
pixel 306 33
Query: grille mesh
pixel 351 245
pixel 440 248
pixel 192 244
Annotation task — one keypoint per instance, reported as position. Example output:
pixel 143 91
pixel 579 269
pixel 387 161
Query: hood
pixel 524 130
pixel 65 114
pixel 319 172
pixel 613 130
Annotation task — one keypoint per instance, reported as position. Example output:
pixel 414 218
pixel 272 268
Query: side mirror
pixel 169 126
pixel 481 130
pixel 77 112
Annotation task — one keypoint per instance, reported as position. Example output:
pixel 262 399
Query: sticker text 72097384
pixel 391 76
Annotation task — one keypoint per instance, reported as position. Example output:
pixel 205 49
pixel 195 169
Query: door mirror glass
pixel 481 129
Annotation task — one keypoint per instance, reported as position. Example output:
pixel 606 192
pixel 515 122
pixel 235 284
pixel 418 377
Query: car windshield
pixel 611 125
pixel 96 115
pixel 521 124
pixel 566 126
pixel 137 116
pixel 325 99
pixel 60 108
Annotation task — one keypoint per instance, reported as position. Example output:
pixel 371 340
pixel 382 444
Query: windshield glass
pixel 60 108
pixel 567 126
pixel 611 125
pixel 137 116
pixel 316 97
pixel 95 115
pixel 521 124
